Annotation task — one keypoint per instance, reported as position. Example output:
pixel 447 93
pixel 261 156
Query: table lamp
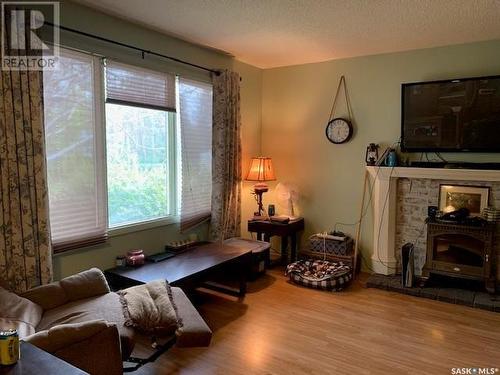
pixel 261 170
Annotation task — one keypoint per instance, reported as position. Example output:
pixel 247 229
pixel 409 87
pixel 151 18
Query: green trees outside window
pixel 137 163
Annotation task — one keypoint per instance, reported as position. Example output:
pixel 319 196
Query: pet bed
pixel 319 274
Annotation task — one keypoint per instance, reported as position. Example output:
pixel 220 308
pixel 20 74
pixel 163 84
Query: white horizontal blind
pixel 130 85
pixel 195 117
pixel 75 150
pixel 74 142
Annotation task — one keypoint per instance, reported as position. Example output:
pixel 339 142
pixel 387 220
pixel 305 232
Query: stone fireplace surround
pixel 400 199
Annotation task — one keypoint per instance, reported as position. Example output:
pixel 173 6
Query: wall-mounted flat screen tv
pixel 454 115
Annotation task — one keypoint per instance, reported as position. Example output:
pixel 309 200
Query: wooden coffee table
pixel 194 267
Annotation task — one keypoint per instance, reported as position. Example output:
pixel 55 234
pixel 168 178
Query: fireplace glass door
pixel 462 251
pixel 458 249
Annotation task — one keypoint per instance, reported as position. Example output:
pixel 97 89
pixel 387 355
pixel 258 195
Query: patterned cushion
pixel 319 274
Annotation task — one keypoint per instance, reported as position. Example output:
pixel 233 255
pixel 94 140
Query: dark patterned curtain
pixel 226 157
pixel 25 255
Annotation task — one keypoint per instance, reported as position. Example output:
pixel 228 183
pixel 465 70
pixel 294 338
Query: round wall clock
pixel 339 130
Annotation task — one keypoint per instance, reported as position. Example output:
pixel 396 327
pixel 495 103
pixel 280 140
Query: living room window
pixel 118 154
pixel 139 173
pixel 195 118
pixel 75 151
pixel 139 144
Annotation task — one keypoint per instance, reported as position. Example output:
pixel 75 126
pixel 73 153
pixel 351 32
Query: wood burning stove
pixel 461 250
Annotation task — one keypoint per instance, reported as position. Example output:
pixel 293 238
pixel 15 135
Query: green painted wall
pixel 290 105
pixel 85 19
pixel 296 105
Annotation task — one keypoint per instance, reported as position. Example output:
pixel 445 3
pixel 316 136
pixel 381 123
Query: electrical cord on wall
pixel 365 212
pixel 365 209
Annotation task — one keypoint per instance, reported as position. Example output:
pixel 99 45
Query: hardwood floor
pixel 281 328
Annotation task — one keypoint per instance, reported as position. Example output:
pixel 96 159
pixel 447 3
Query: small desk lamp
pixel 261 170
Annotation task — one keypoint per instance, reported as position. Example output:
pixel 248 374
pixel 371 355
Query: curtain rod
pixel 143 51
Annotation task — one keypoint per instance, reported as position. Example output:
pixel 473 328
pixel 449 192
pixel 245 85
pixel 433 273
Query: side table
pixel 266 229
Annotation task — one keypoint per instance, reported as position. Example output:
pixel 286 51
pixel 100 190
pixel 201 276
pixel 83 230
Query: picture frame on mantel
pixel 454 197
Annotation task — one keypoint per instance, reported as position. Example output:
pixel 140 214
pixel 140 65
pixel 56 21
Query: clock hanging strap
pixel 343 84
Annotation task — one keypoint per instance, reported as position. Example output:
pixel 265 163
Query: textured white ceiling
pixel 271 33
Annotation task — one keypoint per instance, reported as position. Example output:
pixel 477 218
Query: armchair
pixel 79 320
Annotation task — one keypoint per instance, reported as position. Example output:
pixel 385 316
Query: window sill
pixel 138 227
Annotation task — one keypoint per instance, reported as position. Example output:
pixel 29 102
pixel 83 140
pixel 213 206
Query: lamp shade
pixel 261 169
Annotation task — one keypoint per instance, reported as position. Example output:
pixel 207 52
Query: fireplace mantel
pixel 434 173
pixel 384 204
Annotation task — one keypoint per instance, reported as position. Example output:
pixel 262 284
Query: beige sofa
pixel 80 320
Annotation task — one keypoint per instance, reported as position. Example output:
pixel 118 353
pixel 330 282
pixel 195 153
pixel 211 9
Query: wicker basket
pixel 336 251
